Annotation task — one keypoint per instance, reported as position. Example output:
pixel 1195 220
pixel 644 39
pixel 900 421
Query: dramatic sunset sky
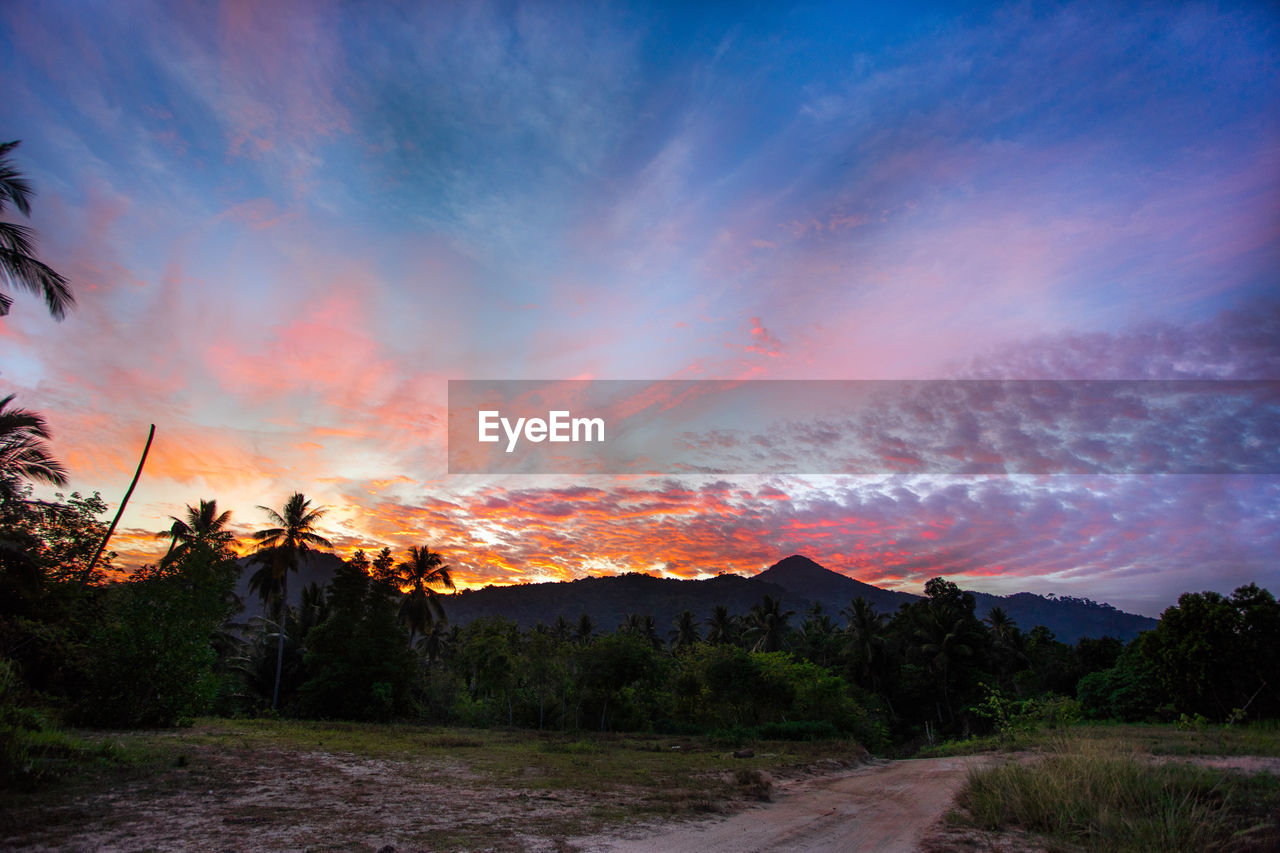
pixel 287 226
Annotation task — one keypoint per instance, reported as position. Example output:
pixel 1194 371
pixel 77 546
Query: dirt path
pixel 883 807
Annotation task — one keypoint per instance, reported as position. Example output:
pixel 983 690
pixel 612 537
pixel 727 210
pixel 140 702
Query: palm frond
pixel 20 268
pixel 14 188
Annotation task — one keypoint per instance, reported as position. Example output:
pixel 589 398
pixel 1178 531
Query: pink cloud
pixel 763 342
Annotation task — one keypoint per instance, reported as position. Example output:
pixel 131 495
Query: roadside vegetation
pixel 1105 802
pixel 1131 788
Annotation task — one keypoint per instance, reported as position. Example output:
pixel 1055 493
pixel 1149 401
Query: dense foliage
pixel 375 644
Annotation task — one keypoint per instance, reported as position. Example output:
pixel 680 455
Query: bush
pixel 30 747
pixel 17 724
pixel 151 658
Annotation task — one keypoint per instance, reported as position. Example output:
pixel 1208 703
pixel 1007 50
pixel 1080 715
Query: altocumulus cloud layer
pixel 287 227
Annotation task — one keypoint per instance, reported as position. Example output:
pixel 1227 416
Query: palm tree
pixel 279 549
pixel 642 626
pixel 863 632
pixel 203 527
pixel 420 608
pixel 1008 645
pixel 816 635
pixel 1002 626
pixel 686 634
pixel 437 641
pixel 721 627
pixel 946 638
pixel 24 455
pixel 767 625
pixel 18 264
pixel 313 608
pixel 586 628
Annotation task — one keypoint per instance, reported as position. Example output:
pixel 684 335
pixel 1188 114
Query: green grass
pixel 1098 791
pixel 532 759
pixel 33 758
pixel 1151 739
pixel 549 784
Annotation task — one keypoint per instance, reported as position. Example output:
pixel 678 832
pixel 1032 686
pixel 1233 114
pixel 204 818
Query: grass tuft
pixel 753 785
pixel 1091 797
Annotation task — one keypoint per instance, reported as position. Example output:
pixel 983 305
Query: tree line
pixel 375 643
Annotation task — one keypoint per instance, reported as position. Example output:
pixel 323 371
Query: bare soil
pixel 286 800
pixel 884 807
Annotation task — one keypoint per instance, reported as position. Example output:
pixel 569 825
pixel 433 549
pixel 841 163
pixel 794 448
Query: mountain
pixel 608 600
pixel 1068 618
pixel 804 579
pixel 798 581
pixel 314 567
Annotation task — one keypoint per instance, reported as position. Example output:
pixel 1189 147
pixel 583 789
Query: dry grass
pixel 1107 794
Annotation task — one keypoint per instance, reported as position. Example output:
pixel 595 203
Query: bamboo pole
pixel 112 529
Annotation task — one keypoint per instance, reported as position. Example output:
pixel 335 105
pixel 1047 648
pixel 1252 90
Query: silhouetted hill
pixel 1068 618
pixel 798 581
pixel 803 579
pixel 608 600
pixel 317 567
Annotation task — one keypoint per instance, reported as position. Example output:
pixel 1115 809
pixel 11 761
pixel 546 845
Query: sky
pixel 289 225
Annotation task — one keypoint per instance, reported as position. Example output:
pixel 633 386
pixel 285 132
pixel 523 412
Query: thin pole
pixel 112 529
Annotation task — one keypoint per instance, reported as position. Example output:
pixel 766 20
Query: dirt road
pixel 884 807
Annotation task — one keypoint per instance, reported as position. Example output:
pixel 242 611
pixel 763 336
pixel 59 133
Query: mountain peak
pixel 795 565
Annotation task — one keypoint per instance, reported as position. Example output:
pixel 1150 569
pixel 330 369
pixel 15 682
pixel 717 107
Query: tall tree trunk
pixel 946 696
pixel 284 613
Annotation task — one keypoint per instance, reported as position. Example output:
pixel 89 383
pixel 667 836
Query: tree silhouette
pixel 722 628
pixel 1001 625
pixel 19 266
pixel 817 635
pixel 864 634
pixel 686 633
pixel 767 625
pixel 420 607
pixel 279 549
pixel 436 642
pixel 204 526
pixel 642 626
pixel 24 455
pixel 947 632
pixel 586 628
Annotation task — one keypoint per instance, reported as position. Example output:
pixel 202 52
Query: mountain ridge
pixel 797 580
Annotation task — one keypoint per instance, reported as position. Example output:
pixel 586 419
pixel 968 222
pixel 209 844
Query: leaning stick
pixel 112 529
